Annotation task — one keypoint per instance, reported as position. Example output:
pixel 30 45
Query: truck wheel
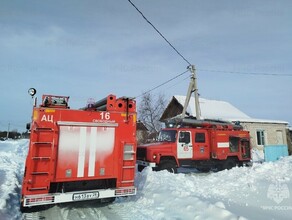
pixel 204 169
pixel 30 209
pixel 108 200
pixel 169 165
pixel 140 168
pixel 229 164
pixel 27 209
pixel 23 209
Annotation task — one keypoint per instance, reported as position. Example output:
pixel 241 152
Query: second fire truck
pixel 199 144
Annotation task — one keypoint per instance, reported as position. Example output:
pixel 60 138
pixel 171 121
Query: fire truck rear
pixel 83 154
pixel 198 144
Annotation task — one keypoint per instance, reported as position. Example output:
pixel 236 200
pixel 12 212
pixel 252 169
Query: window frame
pixel 200 139
pixel 260 137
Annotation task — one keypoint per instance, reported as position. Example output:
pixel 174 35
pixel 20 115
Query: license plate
pixel 86 196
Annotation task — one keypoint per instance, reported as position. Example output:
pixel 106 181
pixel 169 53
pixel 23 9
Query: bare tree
pixel 150 110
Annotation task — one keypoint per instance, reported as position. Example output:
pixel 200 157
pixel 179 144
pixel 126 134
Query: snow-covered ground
pixel 263 191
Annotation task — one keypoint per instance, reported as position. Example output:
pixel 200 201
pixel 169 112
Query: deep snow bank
pixel 263 191
pixel 258 192
pixel 12 158
pixel 162 195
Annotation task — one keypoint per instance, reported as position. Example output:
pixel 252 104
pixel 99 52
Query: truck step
pixel 43 129
pixel 40 173
pixel 38 188
pixel 128 167
pixel 37 143
pixel 129 152
pixel 127 181
pixel 41 158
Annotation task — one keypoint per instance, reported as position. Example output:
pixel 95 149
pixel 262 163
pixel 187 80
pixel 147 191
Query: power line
pixel 175 84
pixel 156 87
pixel 245 73
pixel 208 70
pixel 205 70
pixel 159 33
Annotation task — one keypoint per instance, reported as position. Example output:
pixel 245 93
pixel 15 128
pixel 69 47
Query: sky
pixel 90 49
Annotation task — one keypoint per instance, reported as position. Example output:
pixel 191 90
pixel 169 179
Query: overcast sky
pixel 89 49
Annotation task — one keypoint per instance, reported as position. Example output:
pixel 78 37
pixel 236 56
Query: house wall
pixel 272 133
pixel 289 140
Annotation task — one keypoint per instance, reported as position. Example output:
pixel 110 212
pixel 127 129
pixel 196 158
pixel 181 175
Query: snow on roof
pixel 213 109
pixel 266 121
pixel 220 110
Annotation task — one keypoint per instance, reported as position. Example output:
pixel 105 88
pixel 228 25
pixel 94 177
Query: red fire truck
pixel 83 154
pixel 194 143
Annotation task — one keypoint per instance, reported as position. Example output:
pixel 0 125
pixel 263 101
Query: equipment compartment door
pixel 85 152
pixel 184 145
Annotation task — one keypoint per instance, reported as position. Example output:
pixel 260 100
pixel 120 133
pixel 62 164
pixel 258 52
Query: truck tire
pixel 108 200
pixel 228 164
pixel 168 165
pixel 203 169
pixel 140 168
pixel 34 208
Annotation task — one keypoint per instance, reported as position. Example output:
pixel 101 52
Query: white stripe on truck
pixel 81 154
pixel 92 151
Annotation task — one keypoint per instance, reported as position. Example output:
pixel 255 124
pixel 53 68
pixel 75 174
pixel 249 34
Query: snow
pixel 262 191
pixel 12 159
pixel 221 110
pixel 257 155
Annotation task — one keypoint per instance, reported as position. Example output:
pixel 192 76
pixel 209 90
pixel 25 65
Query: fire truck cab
pixel 80 154
pixel 198 144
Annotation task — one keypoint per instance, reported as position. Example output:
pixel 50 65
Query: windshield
pixel 167 135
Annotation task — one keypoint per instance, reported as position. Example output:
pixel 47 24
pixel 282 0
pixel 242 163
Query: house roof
pixel 211 109
pixel 140 126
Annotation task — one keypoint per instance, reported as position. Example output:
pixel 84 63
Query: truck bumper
pixel 53 198
pixel 145 163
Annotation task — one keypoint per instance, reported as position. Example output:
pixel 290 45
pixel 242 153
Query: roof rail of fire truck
pixel 210 124
pixel 111 103
pixel 55 101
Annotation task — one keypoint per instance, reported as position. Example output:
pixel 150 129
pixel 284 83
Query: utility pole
pixel 8 131
pixel 192 88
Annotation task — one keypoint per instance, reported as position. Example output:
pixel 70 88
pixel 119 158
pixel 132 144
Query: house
pixel 264 133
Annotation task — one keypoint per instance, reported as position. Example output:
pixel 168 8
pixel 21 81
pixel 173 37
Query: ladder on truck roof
pixel 209 124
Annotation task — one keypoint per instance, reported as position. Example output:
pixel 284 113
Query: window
pixel 280 139
pixel 200 138
pixel 233 144
pixel 261 137
pixel 167 136
pixel 184 137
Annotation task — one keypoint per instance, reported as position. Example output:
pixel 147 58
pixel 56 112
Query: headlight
pixel 154 156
